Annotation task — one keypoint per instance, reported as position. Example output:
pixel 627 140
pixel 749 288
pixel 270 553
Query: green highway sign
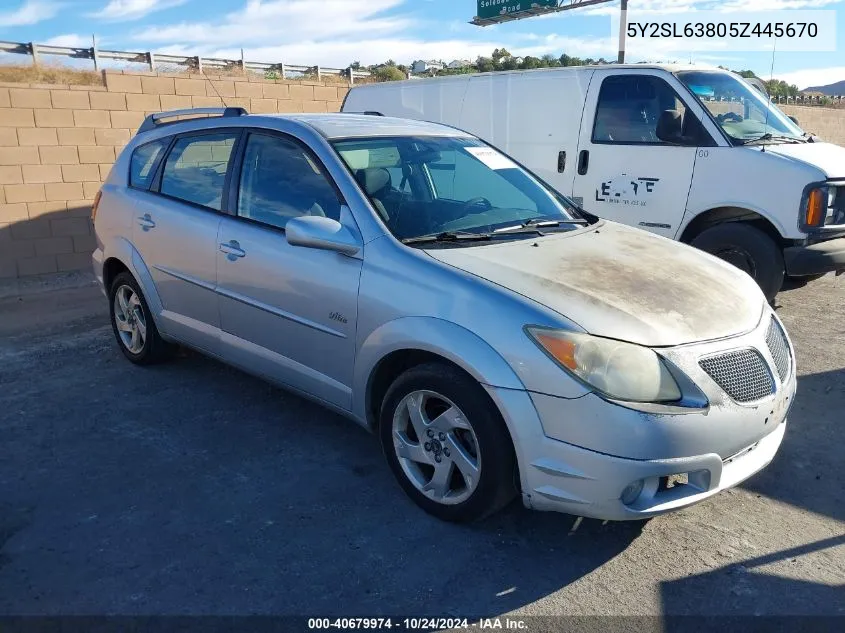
pixel 495 8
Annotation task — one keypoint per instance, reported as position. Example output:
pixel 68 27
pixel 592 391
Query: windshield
pixel 742 111
pixel 423 186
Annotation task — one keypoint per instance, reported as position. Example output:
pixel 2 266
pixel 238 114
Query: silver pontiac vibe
pixel 498 340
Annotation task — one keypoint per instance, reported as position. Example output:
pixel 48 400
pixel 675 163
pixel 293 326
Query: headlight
pixel 620 371
pixel 822 206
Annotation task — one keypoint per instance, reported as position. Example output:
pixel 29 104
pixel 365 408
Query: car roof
pixel 333 126
pixel 421 81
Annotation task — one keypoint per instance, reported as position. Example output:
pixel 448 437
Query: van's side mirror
pixel 314 231
pixel 793 119
pixel 670 127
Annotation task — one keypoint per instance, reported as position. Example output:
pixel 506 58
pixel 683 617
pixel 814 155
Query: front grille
pixel 742 374
pixel 778 348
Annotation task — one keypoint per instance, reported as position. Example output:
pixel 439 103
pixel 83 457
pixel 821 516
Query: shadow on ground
pixel 194 488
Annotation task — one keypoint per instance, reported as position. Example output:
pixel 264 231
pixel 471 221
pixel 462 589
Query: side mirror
pixel 670 127
pixel 793 119
pixel 313 231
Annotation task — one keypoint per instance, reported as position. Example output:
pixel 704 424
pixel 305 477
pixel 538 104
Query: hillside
pixel 831 89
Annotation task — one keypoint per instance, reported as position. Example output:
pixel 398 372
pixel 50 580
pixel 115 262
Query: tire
pixel 438 387
pixel 749 249
pixel 136 320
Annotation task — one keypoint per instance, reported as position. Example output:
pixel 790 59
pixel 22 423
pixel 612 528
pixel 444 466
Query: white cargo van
pixel 697 155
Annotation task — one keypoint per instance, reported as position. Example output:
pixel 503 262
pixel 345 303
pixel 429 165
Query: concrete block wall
pixel 827 123
pixel 58 142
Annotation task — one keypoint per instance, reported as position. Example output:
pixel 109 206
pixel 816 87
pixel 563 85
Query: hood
pixel 827 157
pixel 622 283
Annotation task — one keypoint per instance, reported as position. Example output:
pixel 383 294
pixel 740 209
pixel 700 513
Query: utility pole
pixel 623 28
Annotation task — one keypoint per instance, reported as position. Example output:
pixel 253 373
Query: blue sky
pixel 337 32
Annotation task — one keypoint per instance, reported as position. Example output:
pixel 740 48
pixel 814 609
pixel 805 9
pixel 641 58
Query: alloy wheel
pixel 436 447
pixel 129 319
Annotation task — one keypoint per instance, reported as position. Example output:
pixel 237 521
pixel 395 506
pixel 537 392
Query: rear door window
pixel 195 169
pixel 143 162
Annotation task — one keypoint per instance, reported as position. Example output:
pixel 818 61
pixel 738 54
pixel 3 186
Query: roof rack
pixel 155 120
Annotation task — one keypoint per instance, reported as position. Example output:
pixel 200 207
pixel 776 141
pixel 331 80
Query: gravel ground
pixel 192 488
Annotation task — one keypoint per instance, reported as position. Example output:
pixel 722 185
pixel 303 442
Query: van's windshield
pixel 743 112
pixel 452 189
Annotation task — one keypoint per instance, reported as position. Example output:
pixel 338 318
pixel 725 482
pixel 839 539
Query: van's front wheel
pixel 749 249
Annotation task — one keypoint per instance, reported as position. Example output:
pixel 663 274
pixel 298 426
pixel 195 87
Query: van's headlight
pixel 620 371
pixel 820 207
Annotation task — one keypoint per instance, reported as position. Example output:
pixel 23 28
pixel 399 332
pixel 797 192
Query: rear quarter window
pixel 143 162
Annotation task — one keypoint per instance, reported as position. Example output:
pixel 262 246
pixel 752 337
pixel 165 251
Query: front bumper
pixel 815 259
pixel 580 455
pixel 585 483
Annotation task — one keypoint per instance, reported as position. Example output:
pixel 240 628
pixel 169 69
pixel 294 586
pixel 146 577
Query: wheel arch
pixel 729 213
pixel 406 342
pixel 122 255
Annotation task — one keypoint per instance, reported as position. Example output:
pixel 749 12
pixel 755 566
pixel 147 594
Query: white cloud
pixel 280 21
pixel 688 6
pixel 813 76
pixel 120 10
pixel 70 39
pixel 30 12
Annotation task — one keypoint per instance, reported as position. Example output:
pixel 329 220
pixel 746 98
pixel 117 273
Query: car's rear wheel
pixel 447 444
pixel 749 249
pixel 133 325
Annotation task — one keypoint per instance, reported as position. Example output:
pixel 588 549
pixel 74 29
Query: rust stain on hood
pixel 622 283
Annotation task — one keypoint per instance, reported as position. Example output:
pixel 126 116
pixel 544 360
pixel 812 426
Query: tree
pixel 550 61
pixel 567 60
pixel 355 65
pixel 484 65
pixel 501 53
pixel 529 63
pixel 387 72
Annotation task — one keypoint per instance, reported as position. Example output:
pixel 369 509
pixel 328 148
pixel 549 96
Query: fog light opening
pixel 671 481
pixel 632 492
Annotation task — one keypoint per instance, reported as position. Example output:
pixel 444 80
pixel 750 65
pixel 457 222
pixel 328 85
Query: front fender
pixel 444 338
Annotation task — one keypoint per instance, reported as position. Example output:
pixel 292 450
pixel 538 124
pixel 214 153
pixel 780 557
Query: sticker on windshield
pixel 491 158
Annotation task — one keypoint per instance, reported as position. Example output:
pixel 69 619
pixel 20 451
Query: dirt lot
pixel 192 488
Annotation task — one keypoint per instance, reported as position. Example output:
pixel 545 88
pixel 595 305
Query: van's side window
pixel 280 181
pixel 144 158
pixel 630 107
pixel 195 169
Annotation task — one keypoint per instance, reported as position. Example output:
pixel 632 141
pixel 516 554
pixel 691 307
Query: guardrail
pixel 811 100
pixel 155 60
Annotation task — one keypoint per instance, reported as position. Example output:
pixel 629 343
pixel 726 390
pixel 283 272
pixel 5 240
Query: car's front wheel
pixel 133 325
pixel 447 444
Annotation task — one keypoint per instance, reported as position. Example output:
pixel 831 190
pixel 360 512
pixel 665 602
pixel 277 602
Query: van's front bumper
pixel 815 259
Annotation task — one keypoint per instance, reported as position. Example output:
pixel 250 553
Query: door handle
pixel 232 249
pixel 146 222
pixel 583 162
pixel 561 162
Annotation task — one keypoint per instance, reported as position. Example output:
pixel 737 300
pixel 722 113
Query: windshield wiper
pixel 537 222
pixel 768 136
pixel 447 236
